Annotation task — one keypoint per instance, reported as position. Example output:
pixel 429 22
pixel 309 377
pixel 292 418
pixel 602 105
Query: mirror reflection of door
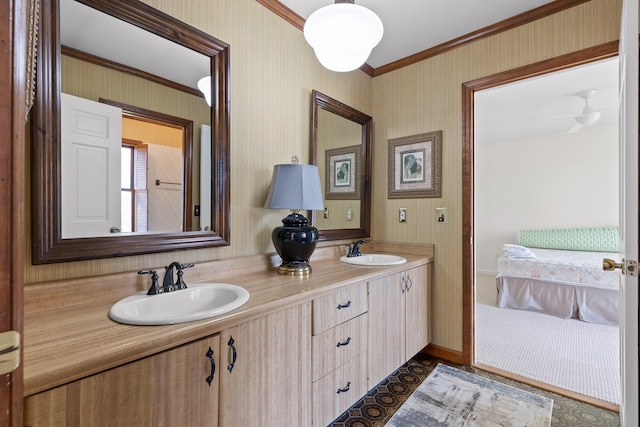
pixel 90 165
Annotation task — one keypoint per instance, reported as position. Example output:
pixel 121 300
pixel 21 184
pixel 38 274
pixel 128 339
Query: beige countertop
pixel 68 334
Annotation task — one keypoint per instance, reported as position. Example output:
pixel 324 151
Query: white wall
pixel 165 200
pixel 558 181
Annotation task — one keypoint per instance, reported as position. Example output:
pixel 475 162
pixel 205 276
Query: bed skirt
pixel 565 300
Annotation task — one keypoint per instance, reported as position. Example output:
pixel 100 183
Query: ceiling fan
pixel 588 116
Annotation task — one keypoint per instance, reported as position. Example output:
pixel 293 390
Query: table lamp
pixel 296 187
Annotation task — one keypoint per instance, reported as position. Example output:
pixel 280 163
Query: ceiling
pixel 411 26
pixel 546 104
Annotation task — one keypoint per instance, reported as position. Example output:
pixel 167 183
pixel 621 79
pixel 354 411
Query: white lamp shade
pixel 204 84
pixel 342 35
pixel 295 186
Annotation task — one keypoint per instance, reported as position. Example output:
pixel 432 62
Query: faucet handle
pixel 180 282
pixel 155 289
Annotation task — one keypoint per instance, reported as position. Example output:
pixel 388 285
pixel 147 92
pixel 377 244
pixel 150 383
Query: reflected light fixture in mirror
pixel 296 187
pixel 343 34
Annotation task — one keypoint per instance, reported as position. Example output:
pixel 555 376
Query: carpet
pixel 567 353
pixel 451 397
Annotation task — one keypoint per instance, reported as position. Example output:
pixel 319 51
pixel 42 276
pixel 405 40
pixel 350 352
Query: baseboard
pixel 447 354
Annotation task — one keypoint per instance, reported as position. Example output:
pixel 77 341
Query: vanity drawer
pixel 336 392
pixel 338 345
pixel 340 306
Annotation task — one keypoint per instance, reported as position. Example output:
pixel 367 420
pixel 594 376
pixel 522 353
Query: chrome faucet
pixel 354 248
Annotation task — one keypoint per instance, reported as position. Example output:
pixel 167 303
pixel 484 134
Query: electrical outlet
pixel 441 214
pixel 350 214
pixel 403 215
pixel 325 215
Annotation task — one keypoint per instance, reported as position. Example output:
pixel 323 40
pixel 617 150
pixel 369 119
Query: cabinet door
pixel 167 389
pixel 418 310
pixel 266 372
pixel 386 327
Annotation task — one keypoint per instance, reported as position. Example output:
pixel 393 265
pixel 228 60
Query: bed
pixel 559 272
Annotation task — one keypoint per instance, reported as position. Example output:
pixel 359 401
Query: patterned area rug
pixel 452 397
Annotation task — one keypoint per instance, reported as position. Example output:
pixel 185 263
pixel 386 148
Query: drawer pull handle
pixel 340 344
pixel 232 354
pixel 209 355
pixel 347 305
pixel 346 389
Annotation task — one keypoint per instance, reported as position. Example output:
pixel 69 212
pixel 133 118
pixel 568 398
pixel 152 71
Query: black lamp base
pixel 295 241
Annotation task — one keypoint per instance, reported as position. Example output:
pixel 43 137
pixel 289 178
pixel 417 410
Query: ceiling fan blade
pixel 575 128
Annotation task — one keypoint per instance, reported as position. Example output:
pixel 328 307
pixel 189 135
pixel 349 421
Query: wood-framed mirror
pixel 48 243
pixel 341 142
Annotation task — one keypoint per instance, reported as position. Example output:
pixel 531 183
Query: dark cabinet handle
pixel 409 283
pixel 209 355
pixel 340 344
pixel 232 354
pixel 346 389
pixel 347 305
pixel 403 283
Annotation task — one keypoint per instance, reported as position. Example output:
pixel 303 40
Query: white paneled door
pixel 90 167
pixel 628 103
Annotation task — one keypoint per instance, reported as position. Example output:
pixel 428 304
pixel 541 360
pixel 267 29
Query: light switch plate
pixel 403 215
pixel 441 215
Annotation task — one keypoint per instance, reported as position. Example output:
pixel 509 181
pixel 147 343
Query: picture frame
pixel 343 170
pixel 415 166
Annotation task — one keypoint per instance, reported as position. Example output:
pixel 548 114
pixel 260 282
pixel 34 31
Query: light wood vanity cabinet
pixel 298 363
pixel 266 370
pixel 169 389
pixel 339 352
pixel 399 320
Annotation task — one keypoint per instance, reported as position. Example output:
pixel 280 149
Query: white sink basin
pixel 374 259
pixel 198 301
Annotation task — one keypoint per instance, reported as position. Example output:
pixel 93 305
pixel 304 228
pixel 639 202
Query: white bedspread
pixel 561 283
pixel 576 267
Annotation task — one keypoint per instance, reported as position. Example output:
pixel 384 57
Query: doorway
pixel 586 56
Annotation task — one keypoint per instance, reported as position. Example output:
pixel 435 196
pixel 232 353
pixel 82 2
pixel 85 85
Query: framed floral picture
pixel 342 173
pixel 415 166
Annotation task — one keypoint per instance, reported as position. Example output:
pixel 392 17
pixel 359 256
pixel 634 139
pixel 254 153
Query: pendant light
pixel 343 34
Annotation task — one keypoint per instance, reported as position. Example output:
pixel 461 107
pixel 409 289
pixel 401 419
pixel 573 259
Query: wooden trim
pixel 445 353
pixel 112 65
pixel 483 33
pixel 563 62
pixel 524 18
pixel 47 243
pixel 284 12
pixel 13 80
pixel 553 389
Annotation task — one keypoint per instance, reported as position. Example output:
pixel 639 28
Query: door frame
pixel 13 78
pixel 585 56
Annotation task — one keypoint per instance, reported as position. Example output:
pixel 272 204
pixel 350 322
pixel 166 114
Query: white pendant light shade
pixel 204 84
pixel 342 35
